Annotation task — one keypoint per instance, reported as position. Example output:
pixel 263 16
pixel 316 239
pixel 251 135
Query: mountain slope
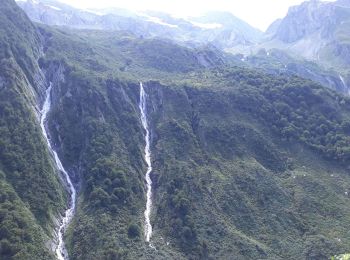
pixel 312 32
pixel 276 61
pixel 247 165
pixel 240 32
pixel 220 29
pixel 95 122
pixel 31 193
pixel 230 179
pixel 218 135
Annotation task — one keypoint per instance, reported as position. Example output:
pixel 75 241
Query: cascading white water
pixel 61 252
pixel 143 106
pixel 344 84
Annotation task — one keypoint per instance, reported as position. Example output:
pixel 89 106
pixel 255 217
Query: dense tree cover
pixel 122 55
pixel 100 142
pixel 18 39
pixel 31 194
pixel 25 159
pixel 20 235
pixel 298 109
pixel 221 156
pixel 237 170
pixel 232 179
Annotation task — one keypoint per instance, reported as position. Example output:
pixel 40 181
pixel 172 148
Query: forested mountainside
pixel 246 165
pixel 31 194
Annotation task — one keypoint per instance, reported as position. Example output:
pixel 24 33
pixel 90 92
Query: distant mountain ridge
pixel 221 29
pixel 315 30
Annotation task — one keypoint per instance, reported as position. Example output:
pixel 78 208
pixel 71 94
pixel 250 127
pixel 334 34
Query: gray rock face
pixel 343 51
pixel 315 30
pixel 308 18
pixel 345 3
pixel 273 27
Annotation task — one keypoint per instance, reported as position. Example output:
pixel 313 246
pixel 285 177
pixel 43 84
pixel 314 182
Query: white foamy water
pixel 344 84
pixel 60 251
pixel 143 106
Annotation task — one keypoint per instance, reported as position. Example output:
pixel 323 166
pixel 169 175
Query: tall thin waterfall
pixel 61 252
pixel 144 120
pixel 344 84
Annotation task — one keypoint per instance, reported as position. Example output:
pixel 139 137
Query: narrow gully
pixel 61 252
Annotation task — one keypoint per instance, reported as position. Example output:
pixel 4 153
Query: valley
pixel 120 145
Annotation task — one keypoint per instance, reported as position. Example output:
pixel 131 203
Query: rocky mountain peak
pixel 308 18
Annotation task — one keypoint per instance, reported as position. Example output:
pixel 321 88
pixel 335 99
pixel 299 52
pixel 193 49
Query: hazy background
pixel 259 13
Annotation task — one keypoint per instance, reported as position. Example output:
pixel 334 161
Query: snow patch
pixel 157 20
pixel 93 12
pixel 54 7
pixel 206 25
pixel 30 1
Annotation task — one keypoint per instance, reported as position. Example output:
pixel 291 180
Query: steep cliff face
pixel 245 163
pixel 227 183
pixel 95 123
pixel 21 48
pixel 316 31
pixel 217 136
pixel 31 194
pixel 231 175
pixel 306 19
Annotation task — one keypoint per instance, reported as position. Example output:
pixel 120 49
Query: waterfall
pixel 61 252
pixel 144 120
pixel 344 84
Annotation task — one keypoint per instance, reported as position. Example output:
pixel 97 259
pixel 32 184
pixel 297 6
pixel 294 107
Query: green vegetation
pixel 31 194
pixel 299 109
pixel 236 155
pixel 25 159
pixel 235 173
pixel 20 235
pixel 19 42
pixel 246 165
pixel 341 257
pixel 101 134
pixel 134 231
pixel 124 56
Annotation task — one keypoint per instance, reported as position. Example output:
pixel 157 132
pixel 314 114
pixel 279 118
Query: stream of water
pixel 344 84
pixel 145 124
pixel 61 252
